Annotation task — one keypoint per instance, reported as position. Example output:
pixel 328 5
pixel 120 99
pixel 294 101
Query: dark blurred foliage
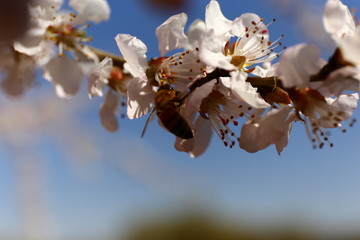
pixel 14 19
pixel 169 6
pixel 201 227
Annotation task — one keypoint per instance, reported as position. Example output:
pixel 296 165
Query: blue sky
pixel 92 183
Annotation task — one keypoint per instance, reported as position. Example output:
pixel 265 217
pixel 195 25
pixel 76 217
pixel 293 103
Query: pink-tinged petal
pixel 65 74
pixel 202 136
pixel 140 98
pixel 337 19
pixel 109 111
pixel 201 140
pixel 99 77
pixel 195 34
pixel 282 142
pixel 90 10
pixel 343 79
pixel 273 128
pixel 215 19
pixel 184 145
pixel 211 52
pixel 243 90
pixel 171 34
pixel 134 52
pixel 298 63
pixel 249 138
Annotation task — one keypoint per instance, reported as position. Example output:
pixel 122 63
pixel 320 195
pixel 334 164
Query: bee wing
pixel 150 118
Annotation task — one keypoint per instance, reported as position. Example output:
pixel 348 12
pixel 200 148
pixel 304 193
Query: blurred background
pixel 64 177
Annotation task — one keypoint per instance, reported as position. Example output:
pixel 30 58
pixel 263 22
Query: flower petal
pixel 337 19
pixel 171 34
pixel 109 111
pixel 215 19
pixel 140 98
pixel 298 63
pixel 243 90
pixel 195 34
pixel 202 136
pixel 273 128
pixel 134 52
pixel 99 77
pixel 343 79
pixel 195 99
pixel 91 10
pixel 65 74
pixel 345 104
pixel 211 52
pixel 350 49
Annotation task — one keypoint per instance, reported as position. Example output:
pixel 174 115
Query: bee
pixel 167 107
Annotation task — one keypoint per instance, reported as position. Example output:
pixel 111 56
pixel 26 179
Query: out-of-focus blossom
pixel 17 70
pixel 109 111
pixel 51 28
pixel 90 10
pixel 339 22
pixel 306 74
pixel 310 105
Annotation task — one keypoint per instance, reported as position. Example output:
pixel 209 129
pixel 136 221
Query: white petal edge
pixel 171 34
pixel 134 52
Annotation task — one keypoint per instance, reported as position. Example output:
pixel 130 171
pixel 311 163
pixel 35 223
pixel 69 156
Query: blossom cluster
pixel 226 76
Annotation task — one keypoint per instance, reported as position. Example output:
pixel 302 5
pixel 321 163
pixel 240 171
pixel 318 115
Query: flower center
pixel 221 112
pixel 67 36
pixel 118 80
pixel 252 46
pixel 179 69
pixel 316 113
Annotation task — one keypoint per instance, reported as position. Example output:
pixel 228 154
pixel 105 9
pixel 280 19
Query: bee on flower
pixel 161 84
